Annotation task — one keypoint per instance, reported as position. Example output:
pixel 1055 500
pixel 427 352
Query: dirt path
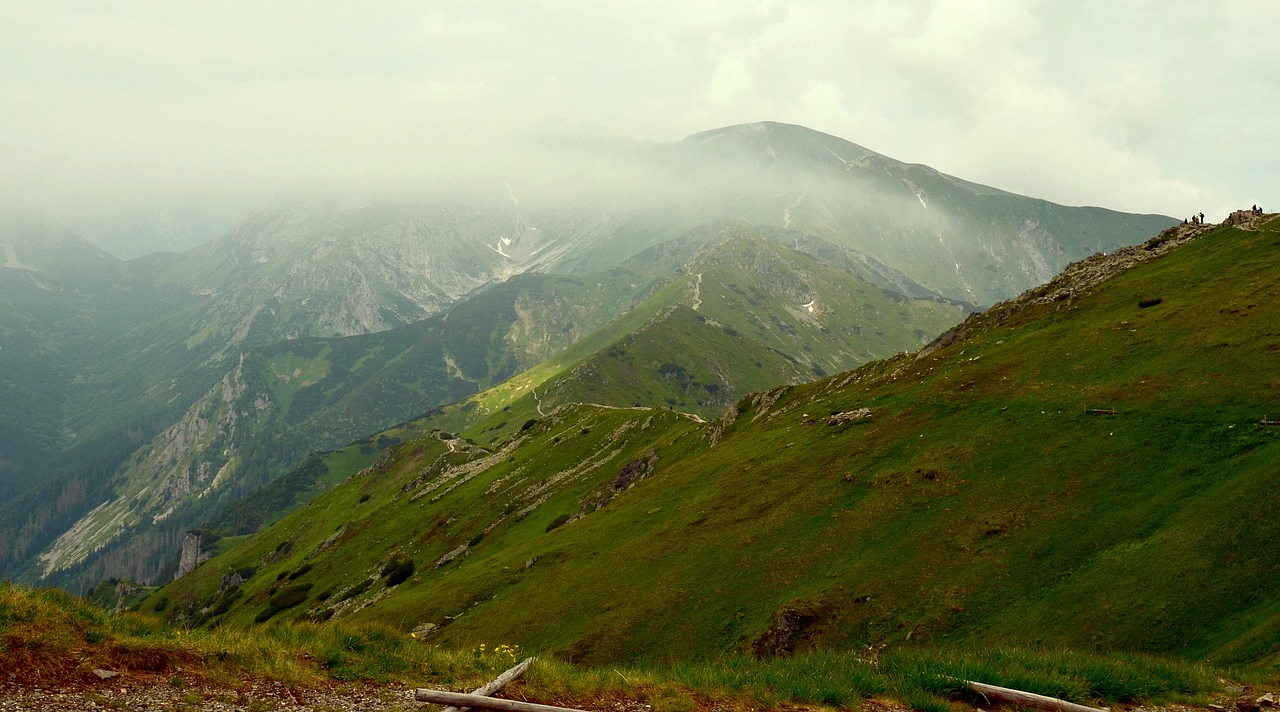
pixel 691 416
pixel 786 212
pixel 697 291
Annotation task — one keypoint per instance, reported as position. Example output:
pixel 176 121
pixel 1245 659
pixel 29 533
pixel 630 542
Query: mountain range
pixel 148 396
pixel 1088 465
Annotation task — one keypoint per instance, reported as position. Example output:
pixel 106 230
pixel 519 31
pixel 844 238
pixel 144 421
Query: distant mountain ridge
pixel 286 400
pixel 103 371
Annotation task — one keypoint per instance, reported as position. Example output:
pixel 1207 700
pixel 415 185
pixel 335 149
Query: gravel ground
pixel 155 692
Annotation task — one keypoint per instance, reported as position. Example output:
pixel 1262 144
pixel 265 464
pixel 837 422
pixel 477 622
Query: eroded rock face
pixel 786 631
pixel 229 581
pixel 191 556
pixel 635 470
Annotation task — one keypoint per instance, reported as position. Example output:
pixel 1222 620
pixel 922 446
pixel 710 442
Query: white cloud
pixel 730 80
pixel 1142 105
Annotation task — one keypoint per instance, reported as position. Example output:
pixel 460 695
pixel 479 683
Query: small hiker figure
pixel 1195 220
pixel 1201 218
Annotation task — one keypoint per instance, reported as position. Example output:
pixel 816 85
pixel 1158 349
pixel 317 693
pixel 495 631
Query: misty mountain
pixel 959 239
pixel 108 354
pixel 674 347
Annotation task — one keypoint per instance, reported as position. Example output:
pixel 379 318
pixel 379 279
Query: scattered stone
pixel 104 674
pixel 461 550
pixel 424 629
pixel 151 691
pixel 788 628
pixel 849 416
pixel 1267 700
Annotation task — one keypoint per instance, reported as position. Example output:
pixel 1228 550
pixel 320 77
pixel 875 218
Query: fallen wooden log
pixel 488 703
pixel 1027 699
pixel 495 684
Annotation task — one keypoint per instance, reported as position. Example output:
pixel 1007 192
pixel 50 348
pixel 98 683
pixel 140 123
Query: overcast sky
pixel 1163 106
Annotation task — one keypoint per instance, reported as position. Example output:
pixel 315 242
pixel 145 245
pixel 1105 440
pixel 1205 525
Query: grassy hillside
pixel 109 368
pixel 51 640
pixel 282 401
pixel 977 498
pixel 661 352
pixel 746 313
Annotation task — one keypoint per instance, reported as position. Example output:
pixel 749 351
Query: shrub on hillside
pixel 357 590
pixel 397 571
pixel 285 598
pixel 290 596
pixel 229 597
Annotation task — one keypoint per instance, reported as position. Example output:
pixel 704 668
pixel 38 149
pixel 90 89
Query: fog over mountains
pixel 144 397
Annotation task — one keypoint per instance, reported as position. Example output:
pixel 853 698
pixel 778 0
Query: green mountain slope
pixel 283 401
pixel 152 340
pixel 67 311
pixel 698 350
pixel 320 268
pixel 748 314
pixel 979 496
pixel 660 352
pixel 50 281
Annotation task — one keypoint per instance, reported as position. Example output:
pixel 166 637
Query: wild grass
pixel 47 634
pixel 926 679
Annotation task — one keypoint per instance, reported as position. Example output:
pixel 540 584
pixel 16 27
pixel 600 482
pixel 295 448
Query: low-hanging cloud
pixel 1148 107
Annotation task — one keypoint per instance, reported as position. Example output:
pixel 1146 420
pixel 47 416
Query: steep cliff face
pixel 316 270
pixel 191 555
pixel 194 459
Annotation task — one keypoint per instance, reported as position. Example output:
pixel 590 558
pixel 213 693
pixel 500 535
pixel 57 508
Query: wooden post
pixel 488 703
pixel 495 684
pixel 1027 699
